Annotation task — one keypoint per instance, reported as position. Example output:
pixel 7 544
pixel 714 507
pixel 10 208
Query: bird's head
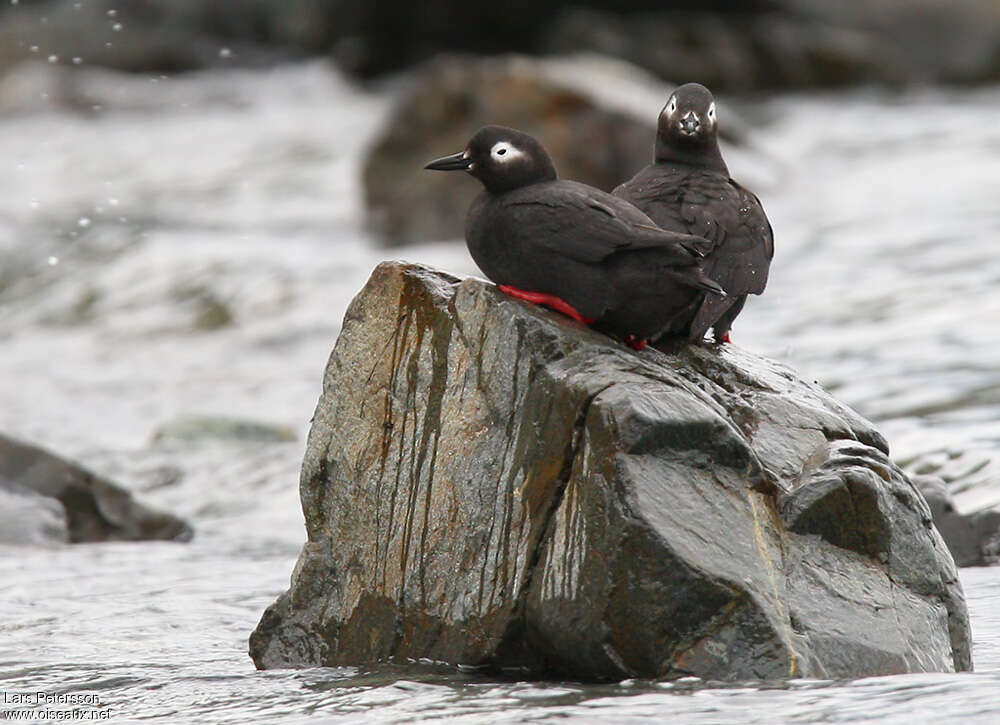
pixel 502 158
pixel 688 118
pixel 687 129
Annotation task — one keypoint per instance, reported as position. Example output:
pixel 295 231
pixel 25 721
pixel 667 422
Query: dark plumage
pixel 599 254
pixel 688 189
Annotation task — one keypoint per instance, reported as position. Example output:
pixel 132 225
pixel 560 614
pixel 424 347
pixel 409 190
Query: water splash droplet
pixel 84 222
pixel 53 58
pixel 77 60
pixel 225 53
pixel 53 261
pixel 117 27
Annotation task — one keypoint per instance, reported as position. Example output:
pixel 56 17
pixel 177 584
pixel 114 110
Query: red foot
pixel 635 344
pixel 540 298
pixel 726 338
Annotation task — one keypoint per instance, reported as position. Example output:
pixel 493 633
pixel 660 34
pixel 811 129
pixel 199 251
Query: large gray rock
pixel 45 499
pixel 487 483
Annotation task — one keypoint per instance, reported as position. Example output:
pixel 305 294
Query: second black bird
pixel 570 246
pixel 688 189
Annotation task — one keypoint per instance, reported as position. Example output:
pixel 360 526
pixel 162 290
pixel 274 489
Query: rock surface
pixel 45 499
pixel 486 483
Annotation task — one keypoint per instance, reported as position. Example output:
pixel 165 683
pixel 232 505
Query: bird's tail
pixel 696 278
pixel 688 246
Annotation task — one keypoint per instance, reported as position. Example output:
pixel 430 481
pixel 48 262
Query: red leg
pixel 726 338
pixel 635 344
pixel 540 298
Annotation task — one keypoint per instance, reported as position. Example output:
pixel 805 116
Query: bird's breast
pixel 487 237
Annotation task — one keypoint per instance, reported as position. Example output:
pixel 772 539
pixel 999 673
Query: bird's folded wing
pixel 745 250
pixel 590 228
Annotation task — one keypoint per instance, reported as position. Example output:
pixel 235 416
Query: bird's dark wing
pixel 657 191
pixel 588 225
pixel 767 231
pixel 714 207
pixel 734 219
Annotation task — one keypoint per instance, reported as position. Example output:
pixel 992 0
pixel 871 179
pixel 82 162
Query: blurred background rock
pixel 726 44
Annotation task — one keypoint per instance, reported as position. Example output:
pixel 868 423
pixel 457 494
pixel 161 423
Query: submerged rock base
pixel 489 484
pixel 972 538
pixel 48 500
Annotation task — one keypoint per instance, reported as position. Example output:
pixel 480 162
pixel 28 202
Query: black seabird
pixel 572 247
pixel 688 189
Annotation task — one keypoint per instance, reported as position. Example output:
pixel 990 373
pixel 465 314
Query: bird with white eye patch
pixel 572 247
pixel 688 189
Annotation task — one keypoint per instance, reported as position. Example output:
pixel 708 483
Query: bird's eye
pixel 711 111
pixel 673 104
pixel 500 151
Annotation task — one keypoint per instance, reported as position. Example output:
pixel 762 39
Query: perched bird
pixel 688 189
pixel 579 250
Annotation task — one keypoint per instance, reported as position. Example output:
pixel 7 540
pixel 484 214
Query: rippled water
pixel 189 248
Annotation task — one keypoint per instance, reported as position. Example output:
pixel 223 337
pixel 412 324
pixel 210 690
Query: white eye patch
pixel 672 106
pixel 711 111
pixel 503 152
